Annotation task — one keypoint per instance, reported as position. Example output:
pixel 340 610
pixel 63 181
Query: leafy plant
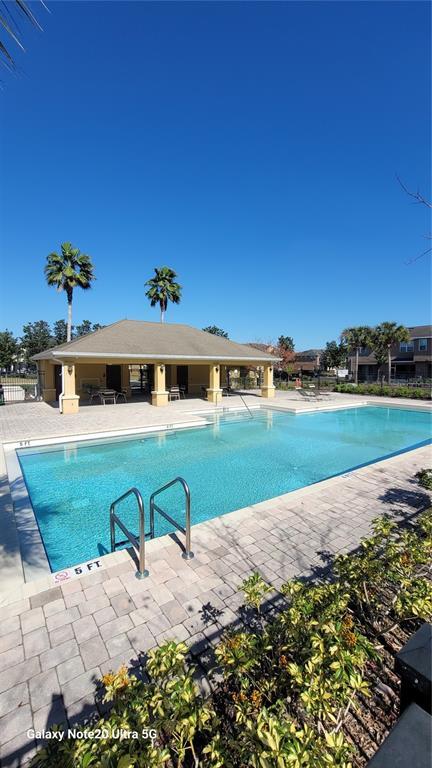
pixel 216 331
pixel 166 713
pixel 255 590
pixel 425 478
pixel 289 685
pixel 415 393
pixel 9 348
pixel 334 355
pixel 286 343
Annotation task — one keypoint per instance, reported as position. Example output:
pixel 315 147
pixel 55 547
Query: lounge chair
pixel 309 394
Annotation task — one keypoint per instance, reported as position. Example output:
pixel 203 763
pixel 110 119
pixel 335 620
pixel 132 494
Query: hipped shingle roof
pixel 135 339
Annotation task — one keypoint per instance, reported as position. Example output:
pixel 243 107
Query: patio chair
pixel 108 395
pixel 121 394
pixel 174 393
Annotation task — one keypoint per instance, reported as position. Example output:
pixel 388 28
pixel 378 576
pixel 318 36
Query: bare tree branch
pixel 416 258
pixel 418 197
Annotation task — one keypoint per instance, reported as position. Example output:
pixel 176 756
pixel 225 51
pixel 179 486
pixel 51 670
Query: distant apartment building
pixel 297 362
pixel 410 359
pixel 307 361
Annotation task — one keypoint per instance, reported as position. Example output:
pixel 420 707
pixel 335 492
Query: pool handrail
pixel 187 554
pixel 138 544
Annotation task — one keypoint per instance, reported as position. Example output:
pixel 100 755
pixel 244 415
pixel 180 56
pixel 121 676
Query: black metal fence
pixel 245 382
pixel 19 389
pixel 396 381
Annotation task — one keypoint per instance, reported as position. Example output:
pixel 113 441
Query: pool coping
pixel 38 578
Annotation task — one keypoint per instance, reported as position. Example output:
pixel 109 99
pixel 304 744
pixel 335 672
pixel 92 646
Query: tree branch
pixel 417 196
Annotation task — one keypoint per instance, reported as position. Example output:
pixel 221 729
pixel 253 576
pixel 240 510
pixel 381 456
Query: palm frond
pixel 10 12
pixel 26 10
pixel 10 32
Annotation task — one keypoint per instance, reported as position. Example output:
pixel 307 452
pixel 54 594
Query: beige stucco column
pixel 159 394
pixel 267 389
pixel 46 371
pixel 214 392
pixel 70 399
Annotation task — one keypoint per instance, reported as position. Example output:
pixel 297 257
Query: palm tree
pixel 355 338
pixel 11 14
pixel 72 269
pixel 388 334
pixel 163 288
pixel 379 349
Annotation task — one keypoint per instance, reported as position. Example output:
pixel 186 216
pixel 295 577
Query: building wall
pixel 305 365
pixel 92 374
pixel 366 357
pixel 198 376
pixel 46 380
pixel 423 369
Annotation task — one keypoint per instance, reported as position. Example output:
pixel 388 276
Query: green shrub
pixel 289 683
pixel 425 478
pixel 414 393
pixel 284 385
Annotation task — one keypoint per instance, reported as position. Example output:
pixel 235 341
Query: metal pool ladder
pixel 138 544
pixel 245 404
pixel 186 531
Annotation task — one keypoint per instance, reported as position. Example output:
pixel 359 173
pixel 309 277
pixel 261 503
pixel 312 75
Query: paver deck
pixel 56 641
pixel 31 421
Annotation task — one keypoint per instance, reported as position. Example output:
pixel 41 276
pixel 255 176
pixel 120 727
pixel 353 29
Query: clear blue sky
pixel 253 147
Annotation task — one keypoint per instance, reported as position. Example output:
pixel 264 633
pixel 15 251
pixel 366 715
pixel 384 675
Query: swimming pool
pixel 231 463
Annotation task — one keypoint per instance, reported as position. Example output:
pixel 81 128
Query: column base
pixel 49 395
pixel 268 391
pixel 70 404
pixel 214 396
pixel 159 398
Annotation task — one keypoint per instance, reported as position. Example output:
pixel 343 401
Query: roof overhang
pixel 152 357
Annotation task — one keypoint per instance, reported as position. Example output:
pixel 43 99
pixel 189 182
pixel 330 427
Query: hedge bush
pixel 291 676
pixel 413 393
pixel 425 478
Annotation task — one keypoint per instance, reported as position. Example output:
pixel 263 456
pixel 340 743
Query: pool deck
pixel 57 639
pixel 31 421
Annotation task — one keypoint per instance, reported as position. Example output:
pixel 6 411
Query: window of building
pixel 422 345
pixel 406 346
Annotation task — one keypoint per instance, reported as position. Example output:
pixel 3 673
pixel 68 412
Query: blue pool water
pixel 230 464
